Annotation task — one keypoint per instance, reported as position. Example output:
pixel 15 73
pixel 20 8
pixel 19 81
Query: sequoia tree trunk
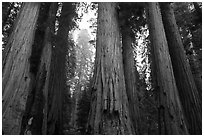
pixel 57 81
pixel 109 110
pixel 16 76
pixel 191 102
pixel 130 77
pixel 46 59
pixel 36 106
pixel 171 117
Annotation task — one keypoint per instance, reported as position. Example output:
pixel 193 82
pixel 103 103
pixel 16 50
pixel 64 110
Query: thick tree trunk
pixel 130 76
pixel 16 76
pixel 109 110
pixel 38 111
pixel 36 106
pixel 171 117
pixel 191 102
pixel 56 87
pixel 58 78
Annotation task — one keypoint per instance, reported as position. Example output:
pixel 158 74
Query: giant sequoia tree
pixel 188 92
pixel 36 106
pixel 171 118
pixel 16 76
pixel 109 111
pixel 58 78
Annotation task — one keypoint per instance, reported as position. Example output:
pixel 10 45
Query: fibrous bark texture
pixel 109 110
pixel 130 77
pixel 16 77
pixel 36 106
pixel 171 119
pixel 184 79
pixel 57 81
pixel 46 59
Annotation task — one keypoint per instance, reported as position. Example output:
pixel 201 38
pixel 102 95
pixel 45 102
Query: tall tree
pixel 36 106
pixel 57 81
pixel 188 92
pixel 109 110
pixel 16 76
pixel 171 119
pixel 83 70
pixel 46 60
pixel 129 73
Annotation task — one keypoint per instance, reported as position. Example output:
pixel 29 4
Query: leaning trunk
pixel 109 110
pixel 171 120
pixel 188 92
pixel 16 76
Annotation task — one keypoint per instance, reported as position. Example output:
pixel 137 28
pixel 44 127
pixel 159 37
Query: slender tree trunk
pixel 16 76
pixel 171 118
pixel 109 110
pixel 188 92
pixel 130 76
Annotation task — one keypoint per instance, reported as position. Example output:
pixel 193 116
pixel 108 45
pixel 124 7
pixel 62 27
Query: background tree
pixel 190 28
pixel 83 72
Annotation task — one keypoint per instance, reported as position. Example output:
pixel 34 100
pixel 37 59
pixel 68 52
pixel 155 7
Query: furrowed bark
pixel 130 77
pixel 16 76
pixel 171 119
pixel 57 81
pixel 109 111
pixel 192 105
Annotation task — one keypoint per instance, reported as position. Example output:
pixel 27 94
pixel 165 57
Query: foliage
pixel 189 26
pixel 10 11
pixel 83 110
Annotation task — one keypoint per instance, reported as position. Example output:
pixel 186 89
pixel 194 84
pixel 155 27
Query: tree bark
pixel 171 117
pixel 196 69
pixel 46 59
pixel 16 77
pixel 57 81
pixel 130 76
pixel 188 92
pixel 109 110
